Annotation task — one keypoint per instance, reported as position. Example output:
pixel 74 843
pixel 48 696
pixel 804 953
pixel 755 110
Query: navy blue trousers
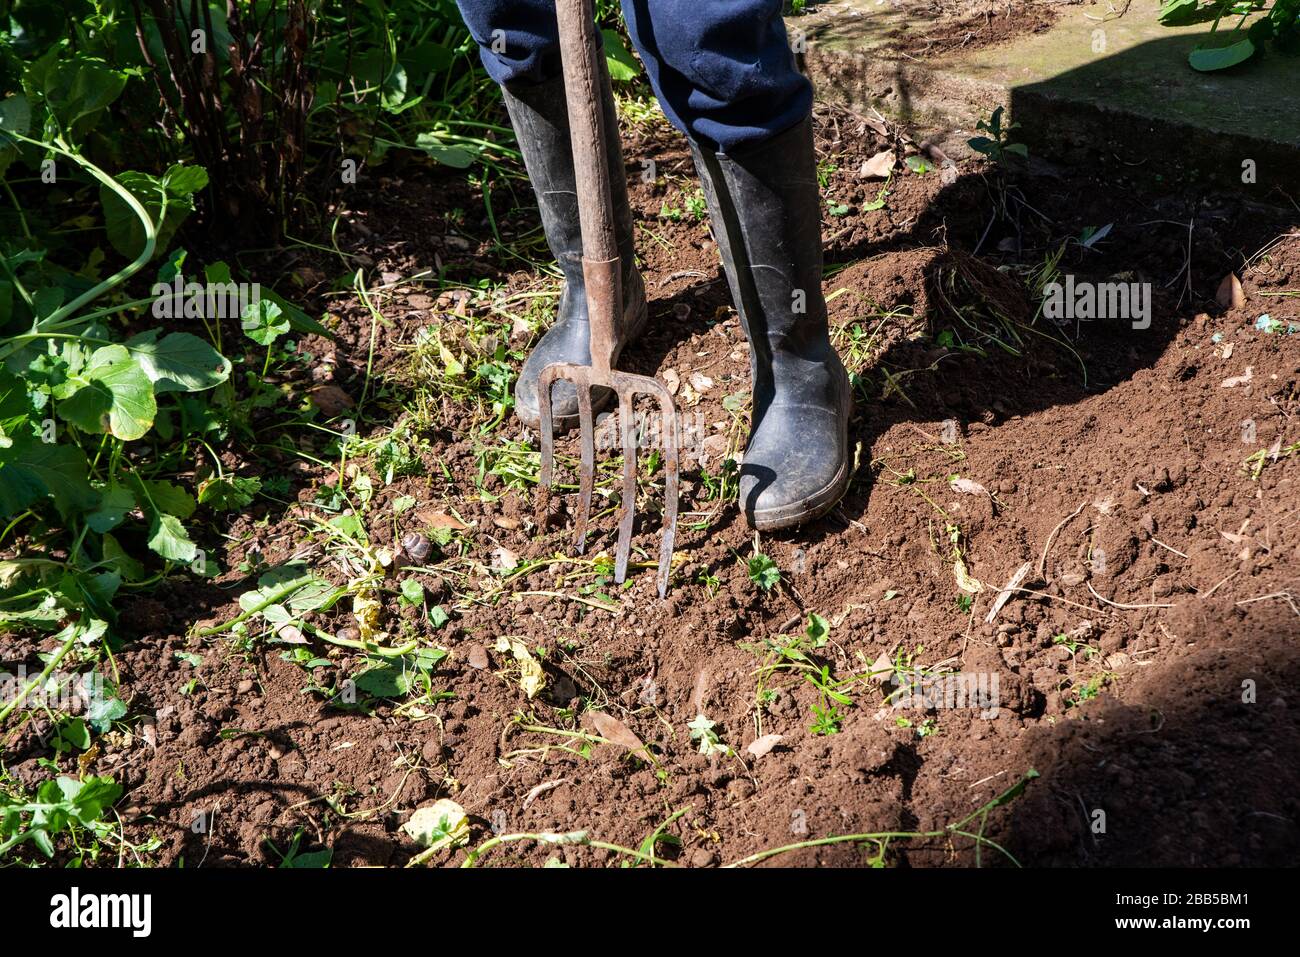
pixel 722 69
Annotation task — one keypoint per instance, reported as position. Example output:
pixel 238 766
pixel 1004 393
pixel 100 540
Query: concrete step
pixel 1092 87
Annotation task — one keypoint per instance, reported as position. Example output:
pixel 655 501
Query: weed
pixel 998 145
pixel 704 733
pixel 762 570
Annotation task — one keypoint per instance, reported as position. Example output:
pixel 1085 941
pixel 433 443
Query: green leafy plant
pixel 705 734
pixel 61 806
pixel 762 571
pixel 997 145
pixel 1276 26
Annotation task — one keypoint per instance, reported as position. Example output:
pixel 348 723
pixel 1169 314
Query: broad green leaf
pixel 1178 11
pixel 622 66
pixel 167 201
pixel 229 494
pixel 31 470
pixel 74 88
pixel 264 322
pixel 91 797
pixel 167 497
pixel 15 117
pixel 115 556
pixel 71 733
pixel 384 681
pixel 104 709
pixel 116 396
pixel 1208 59
pixel 95 592
pixel 184 180
pixel 167 537
pixel 448 155
pixel 179 362
pixel 114 502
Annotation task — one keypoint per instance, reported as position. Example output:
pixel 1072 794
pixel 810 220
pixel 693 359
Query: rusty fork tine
pixel 628 433
pixel 544 382
pixel 587 478
pixel 669 437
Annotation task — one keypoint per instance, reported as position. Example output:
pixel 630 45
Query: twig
pixel 1168 547
pixel 1042 562
pixel 1043 594
pixel 1116 604
pixel 1224 581
pixel 603 606
pixel 1286 595
pixel 1007 590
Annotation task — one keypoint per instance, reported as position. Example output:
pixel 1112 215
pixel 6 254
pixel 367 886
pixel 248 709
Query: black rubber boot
pixel 766 215
pixel 541 122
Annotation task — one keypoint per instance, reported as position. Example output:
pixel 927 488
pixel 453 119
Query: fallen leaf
pixel 441 520
pixel 879 166
pixel 614 730
pixel 443 823
pixel 532 679
pixel 968 487
pixel 1230 294
pixel 291 635
pixel 882 669
pixel 672 380
pixel 330 399
pixel 368 612
pixel 761 746
pixel 965 581
pixel 504 559
pixel 1233 381
pixel 700 382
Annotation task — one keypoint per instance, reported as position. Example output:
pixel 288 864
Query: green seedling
pixel 704 733
pixel 763 572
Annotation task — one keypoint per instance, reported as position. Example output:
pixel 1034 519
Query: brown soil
pixel 965 25
pixel 1142 725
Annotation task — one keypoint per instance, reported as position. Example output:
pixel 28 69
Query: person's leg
pixel 518 39
pixel 519 42
pixel 723 72
pixel 725 75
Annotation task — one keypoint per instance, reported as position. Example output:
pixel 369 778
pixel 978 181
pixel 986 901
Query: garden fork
pixel 584 71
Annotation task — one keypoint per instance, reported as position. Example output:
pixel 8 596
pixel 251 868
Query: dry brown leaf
pixel 761 746
pixel 442 520
pixel 883 668
pixel 330 399
pixel 1230 294
pixel 1233 381
pixel 879 166
pixel 968 487
pixel 614 730
pixel 700 382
